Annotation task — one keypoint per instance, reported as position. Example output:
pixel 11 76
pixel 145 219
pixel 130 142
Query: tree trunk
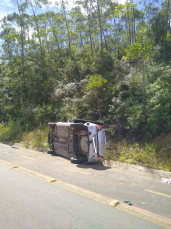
pixel 91 43
pixel 67 27
pixel 114 24
pixel 118 50
pixel 129 26
pixel 144 92
pixel 81 39
pixel 105 41
pixel 168 7
pixel 98 107
pixel 55 35
pixel 134 23
pixel 89 29
pixel 22 40
pixel 38 31
pixel 56 38
pixel 101 32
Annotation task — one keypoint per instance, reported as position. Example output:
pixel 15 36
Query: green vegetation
pixel 154 155
pixel 36 138
pixel 99 60
pixel 12 132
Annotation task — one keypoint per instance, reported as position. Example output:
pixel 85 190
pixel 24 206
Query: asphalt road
pixel 26 201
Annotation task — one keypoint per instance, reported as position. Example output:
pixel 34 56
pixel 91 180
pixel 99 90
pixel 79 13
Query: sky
pixel 8 7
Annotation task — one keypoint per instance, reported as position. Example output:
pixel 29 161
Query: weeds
pixel 10 131
pixel 153 155
pixel 13 131
pixel 36 138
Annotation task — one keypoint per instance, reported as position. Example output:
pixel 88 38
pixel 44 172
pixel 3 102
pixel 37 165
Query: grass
pixel 153 155
pixel 13 132
pixel 36 138
pixel 10 131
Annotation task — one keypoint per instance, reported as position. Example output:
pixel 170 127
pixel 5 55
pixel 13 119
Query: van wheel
pixel 50 151
pixel 77 160
pixel 77 125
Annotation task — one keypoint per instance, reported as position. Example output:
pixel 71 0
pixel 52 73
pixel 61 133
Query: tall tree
pixel 64 12
pixel 35 5
pixel 142 53
pixel 100 26
pixel 21 20
pixel 167 11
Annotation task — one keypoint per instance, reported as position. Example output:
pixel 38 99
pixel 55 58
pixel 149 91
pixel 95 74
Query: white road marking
pixel 158 193
pixel 28 157
pixel 143 214
pixel 75 170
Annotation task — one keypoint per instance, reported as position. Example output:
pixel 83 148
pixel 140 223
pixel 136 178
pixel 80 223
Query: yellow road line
pixel 158 193
pixel 28 157
pixel 149 216
pixel 75 170
pixel 1 144
pixel 144 216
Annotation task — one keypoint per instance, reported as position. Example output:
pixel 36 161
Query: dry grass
pixel 154 155
pixel 36 138
pixel 163 140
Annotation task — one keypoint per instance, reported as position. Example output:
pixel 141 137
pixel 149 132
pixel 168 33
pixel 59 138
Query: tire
pixel 50 151
pixel 77 125
pixel 77 160
pixel 84 121
pixel 52 125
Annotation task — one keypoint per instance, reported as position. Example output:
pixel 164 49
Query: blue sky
pixel 7 6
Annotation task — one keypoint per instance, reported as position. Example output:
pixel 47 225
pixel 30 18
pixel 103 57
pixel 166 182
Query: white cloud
pixel 71 3
pixel 121 1
pixel 2 15
pixel 6 7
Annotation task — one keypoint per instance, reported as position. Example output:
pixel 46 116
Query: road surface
pixel 79 198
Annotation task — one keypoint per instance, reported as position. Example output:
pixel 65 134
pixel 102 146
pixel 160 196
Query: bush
pixel 10 131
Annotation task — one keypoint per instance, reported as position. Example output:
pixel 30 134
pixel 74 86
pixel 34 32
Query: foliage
pixel 10 131
pixel 152 155
pixel 36 138
pixel 108 62
pixel 95 82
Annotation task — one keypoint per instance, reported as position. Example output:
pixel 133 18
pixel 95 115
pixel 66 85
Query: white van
pixel 82 141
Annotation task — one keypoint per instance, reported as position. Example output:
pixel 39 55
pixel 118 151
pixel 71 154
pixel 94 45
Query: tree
pixel 141 53
pixel 64 13
pixel 34 6
pixel 96 84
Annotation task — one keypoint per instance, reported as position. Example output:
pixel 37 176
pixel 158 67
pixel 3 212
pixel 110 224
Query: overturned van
pixel 82 141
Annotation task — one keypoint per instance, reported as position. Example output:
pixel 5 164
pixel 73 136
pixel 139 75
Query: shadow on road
pixel 96 166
